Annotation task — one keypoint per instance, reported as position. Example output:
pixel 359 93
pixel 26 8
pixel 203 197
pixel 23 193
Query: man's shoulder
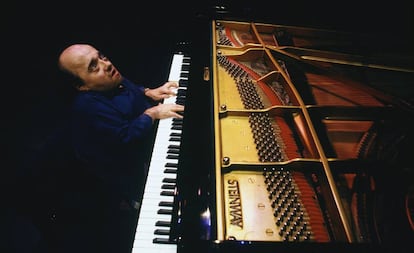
pixel 84 100
pixel 130 84
pixel 84 96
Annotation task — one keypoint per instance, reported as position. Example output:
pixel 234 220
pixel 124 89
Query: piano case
pixel 295 139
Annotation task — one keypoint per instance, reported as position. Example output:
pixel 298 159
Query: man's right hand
pixel 163 111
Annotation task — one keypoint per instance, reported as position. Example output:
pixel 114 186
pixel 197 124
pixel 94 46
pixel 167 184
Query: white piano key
pixel 176 67
pixel 149 215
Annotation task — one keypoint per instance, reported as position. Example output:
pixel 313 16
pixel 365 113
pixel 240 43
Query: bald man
pixel 111 130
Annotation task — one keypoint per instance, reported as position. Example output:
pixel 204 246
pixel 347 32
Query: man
pixel 111 126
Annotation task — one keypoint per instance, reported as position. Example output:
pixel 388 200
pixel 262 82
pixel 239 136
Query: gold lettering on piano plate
pixel 235 204
pixel 248 211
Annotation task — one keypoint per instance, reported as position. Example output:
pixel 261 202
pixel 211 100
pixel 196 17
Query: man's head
pixel 91 69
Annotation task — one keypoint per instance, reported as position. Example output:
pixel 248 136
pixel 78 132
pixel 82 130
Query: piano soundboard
pixel 154 222
pixel 297 149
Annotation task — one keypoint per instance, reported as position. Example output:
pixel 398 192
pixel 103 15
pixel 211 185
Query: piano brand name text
pixel 235 205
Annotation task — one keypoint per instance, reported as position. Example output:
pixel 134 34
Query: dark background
pixel 140 37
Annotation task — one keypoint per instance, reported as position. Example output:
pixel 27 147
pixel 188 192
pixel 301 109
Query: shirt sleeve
pixel 106 121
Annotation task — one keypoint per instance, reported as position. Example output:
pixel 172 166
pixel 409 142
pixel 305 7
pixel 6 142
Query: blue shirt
pixel 111 136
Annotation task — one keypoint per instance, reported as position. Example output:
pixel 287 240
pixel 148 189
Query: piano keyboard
pixel 153 227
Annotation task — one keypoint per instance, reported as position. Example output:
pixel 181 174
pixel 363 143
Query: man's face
pixel 96 71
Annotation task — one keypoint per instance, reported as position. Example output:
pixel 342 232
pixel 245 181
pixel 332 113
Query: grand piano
pixel 294 139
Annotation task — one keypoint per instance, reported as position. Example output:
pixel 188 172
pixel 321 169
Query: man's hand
pixel 166 90
pixel 162 111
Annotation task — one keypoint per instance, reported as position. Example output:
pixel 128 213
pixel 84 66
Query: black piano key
pixel 173 151
pixel 177 127
pixel 177 123
pixel 162 241
pixel 173 157
pixel 171 165
pixel 164 211
pixel 173 146
pixel 170 171
pixel 175 136
pixel 162 231
pixel 185 67
pixel 168 186
pixel 169 180
pixel 167 193
pixel 180 101
pixel 175 139
pixel 166 203
pixel 181 92
pixel 183 83
pixel 161 223
pixel 184 75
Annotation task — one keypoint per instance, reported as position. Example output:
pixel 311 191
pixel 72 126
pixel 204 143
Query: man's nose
pixel 108 65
